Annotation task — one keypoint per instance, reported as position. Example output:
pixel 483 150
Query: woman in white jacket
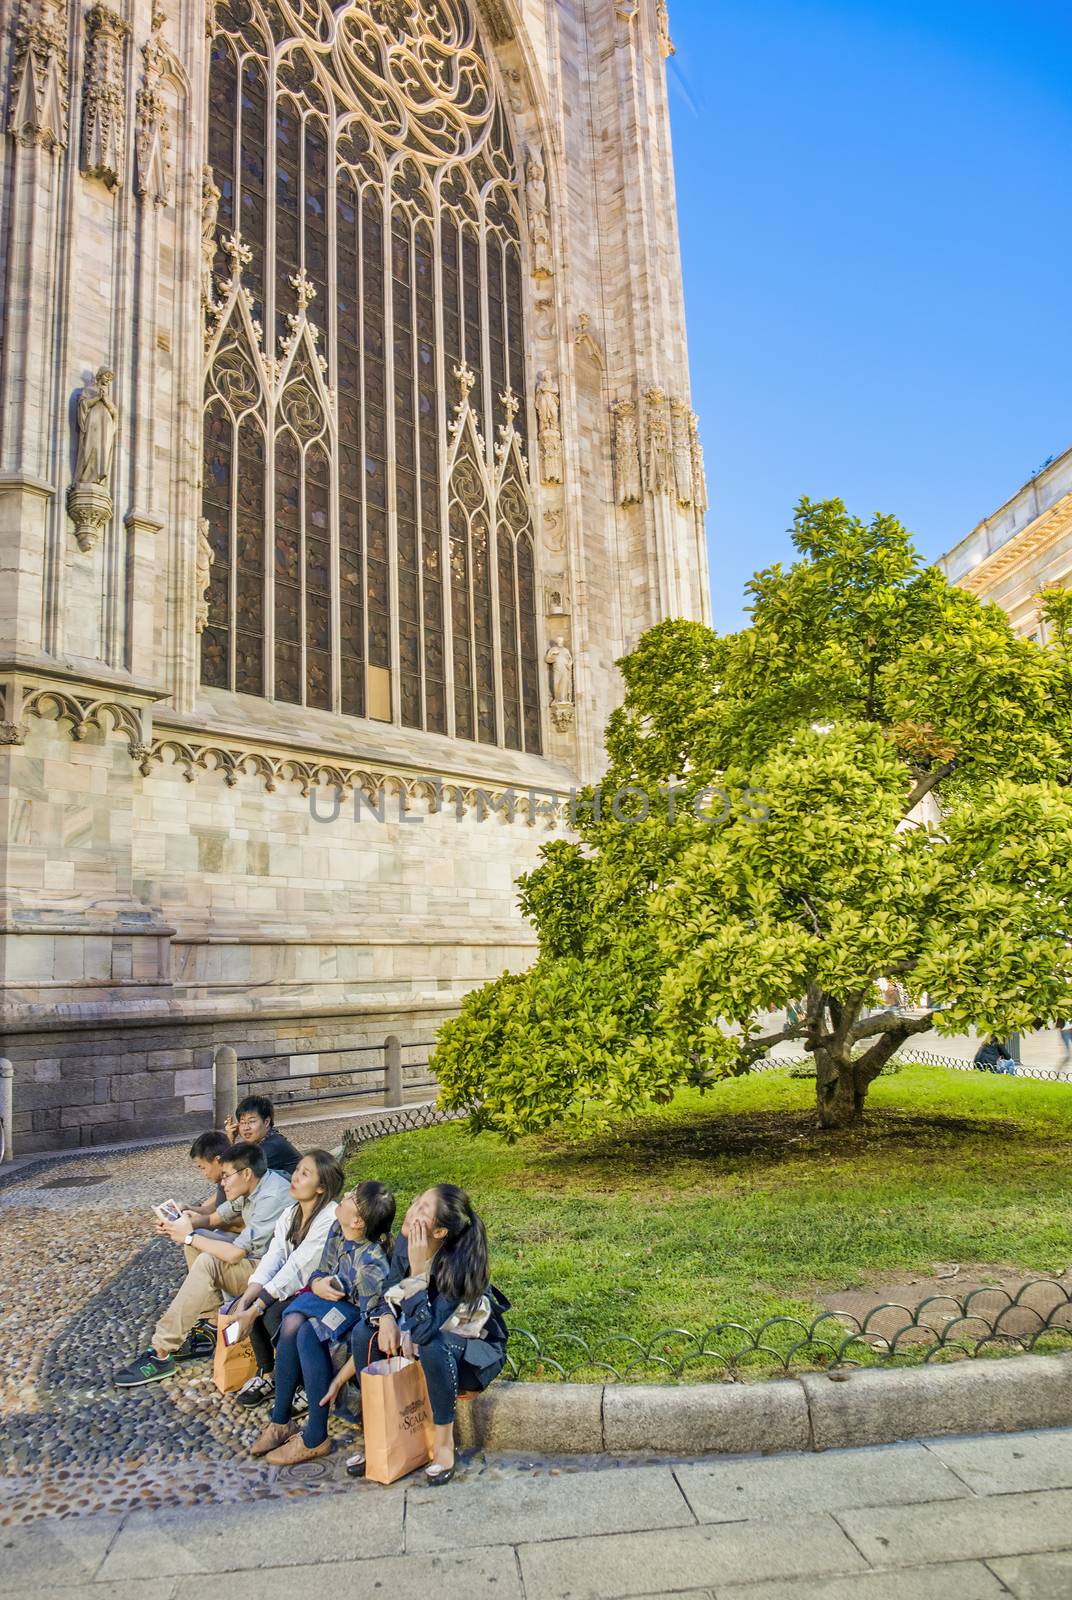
pixel 285 1268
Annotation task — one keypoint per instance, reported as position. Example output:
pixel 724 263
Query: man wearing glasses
pixel 219 1266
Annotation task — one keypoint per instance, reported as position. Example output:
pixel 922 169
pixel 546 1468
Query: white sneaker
pixel 256 1390
pixel 301 1403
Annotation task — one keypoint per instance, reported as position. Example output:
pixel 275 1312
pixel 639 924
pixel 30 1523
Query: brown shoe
pixel 295 1451
pixel 271 1437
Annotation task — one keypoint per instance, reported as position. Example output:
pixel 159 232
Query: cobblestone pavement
pixel 82 1278
pixel 964 1519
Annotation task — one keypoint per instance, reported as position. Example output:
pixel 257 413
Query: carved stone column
pixel 37 124
pixel 103 102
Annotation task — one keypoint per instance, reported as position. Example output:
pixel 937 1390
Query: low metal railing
pixel 325 1077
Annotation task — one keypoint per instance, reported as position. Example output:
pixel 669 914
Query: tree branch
pixel 887 1023
pixel 930 780
pixel 872 1061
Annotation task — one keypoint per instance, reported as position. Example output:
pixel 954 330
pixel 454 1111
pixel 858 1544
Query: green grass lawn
pixel 733 1207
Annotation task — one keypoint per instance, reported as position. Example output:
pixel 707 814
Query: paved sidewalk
pixel 963 1519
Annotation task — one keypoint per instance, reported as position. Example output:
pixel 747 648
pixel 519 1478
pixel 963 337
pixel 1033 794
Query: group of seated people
pixel 320 1288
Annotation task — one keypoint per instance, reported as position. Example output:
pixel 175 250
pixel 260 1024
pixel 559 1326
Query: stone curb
pixel 810 1412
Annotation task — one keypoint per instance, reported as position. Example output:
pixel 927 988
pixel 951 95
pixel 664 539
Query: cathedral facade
pixel 346 444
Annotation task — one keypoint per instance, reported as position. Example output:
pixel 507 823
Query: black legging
pixel 262 1335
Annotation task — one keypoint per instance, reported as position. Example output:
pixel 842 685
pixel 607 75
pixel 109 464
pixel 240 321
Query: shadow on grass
pixel 652 1145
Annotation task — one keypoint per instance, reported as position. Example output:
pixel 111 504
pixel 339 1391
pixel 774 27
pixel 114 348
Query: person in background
pixel 440 1308
pixel 346 1290
pixel 994 1056
pixel 254 1123
pixel 217 1266
pixel 287 1265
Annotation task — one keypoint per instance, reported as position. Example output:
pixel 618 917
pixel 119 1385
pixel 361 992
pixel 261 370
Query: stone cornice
pixel 1053 522
pixel 129 714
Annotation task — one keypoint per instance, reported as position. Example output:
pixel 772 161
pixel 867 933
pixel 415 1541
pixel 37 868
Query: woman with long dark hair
pixel 439 1307
pixel 297 1245
pixel 347 1285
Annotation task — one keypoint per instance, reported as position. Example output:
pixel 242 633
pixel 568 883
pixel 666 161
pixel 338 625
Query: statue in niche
pixel 203 575
pixel 210 210
pixel 658 451
pixel 547 412
pixel 97 419
pixel 627 452
pixel 89 500
pixel 560 659
pixel 543 265
pixel 682 446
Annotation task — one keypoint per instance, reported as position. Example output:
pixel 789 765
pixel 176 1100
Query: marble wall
pixel 164 887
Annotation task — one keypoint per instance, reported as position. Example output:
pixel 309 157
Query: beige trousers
pixel 208 1281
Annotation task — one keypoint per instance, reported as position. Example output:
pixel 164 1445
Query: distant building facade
pixel 1023 547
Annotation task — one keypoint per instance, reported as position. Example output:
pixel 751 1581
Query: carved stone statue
pixel 89 500
pixel 547 413
pixel 662 15
pixel 626 452
pixel 152 145
pixel 210 210
pixel 657 454
pixel 699 476
pixel 543 264
pixel 682 445
pixel 203 574
pixel 97 420
pixel 560 660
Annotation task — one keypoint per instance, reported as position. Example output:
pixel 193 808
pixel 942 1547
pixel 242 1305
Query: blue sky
pixel 877 240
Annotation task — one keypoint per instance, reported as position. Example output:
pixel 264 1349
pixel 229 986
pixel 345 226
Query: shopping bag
pixel 232 1364
pixel 397 1419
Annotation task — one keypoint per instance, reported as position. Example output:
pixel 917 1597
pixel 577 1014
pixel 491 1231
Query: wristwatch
pixel 188 1241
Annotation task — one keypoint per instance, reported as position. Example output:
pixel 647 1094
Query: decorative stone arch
pixel 370 231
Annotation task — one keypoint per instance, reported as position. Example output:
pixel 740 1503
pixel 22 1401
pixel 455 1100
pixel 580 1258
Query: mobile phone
pixel 232 1333
pixel 335 1284
pixel 167 1211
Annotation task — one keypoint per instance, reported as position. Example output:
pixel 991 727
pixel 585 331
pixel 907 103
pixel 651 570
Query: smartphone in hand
pixel 232 1333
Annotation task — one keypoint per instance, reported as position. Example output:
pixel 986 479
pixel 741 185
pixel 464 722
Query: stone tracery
pixel 368 175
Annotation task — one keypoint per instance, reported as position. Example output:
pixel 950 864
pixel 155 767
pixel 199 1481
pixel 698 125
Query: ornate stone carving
pixel 559 659
pixel 662 17
pixel 203 576
pixel 699 475
pixel 39 77
pixel 657 450
pixel 682 447
pixel 543 264
pixel 547 413
pixel 103 104
pixel 210 210
pixel 153 136
pixel 515 91
pixel 497 18
pixel 626 452
pixel 556 597
pixel 89 500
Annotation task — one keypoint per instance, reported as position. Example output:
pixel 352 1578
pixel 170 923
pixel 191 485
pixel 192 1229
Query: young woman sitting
pixel 348 1283
pixel 293 1255
pixel 439 1307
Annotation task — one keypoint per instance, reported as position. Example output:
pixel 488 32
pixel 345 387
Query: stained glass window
pixel 372 548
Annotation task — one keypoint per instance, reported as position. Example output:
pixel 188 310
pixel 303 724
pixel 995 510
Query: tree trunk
pixel 837 1094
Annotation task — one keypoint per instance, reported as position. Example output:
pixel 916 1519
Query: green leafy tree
pixel 871 780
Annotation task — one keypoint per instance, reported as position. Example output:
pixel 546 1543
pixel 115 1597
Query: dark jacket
pixel 426 1310
pixel 279 1153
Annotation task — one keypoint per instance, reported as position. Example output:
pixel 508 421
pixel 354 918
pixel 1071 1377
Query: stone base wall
pixel 100 1086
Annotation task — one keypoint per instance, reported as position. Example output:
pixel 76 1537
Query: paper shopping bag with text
pixel 232 1364
pixel 397 1419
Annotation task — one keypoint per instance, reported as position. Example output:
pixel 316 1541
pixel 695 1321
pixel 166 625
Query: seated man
pixel 218 1268
pixel 254 1123
pixel 207 1153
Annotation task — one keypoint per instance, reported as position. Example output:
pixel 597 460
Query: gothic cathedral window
pixel 372 532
